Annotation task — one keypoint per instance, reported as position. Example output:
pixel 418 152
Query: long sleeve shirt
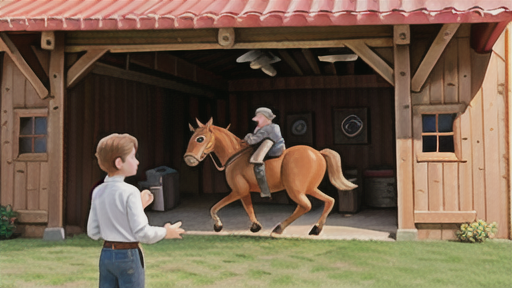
pixel 117 214
pixel 271 131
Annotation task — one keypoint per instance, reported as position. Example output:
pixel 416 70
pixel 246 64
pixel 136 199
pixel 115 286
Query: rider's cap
pixel 266 112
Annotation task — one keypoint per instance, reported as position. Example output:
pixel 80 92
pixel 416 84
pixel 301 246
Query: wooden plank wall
pixel 321 103
pixel 23 184
pixel 101 105
pixel 480 183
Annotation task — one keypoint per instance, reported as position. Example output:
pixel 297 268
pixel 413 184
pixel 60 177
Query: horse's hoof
pixel 217 227
pixel 255 227
pixel 278 229
pixel 315 230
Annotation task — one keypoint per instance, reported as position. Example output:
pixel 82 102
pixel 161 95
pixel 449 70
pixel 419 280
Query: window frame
pixel 18 114
pixel 418 112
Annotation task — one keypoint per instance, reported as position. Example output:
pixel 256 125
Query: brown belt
pixel 120 245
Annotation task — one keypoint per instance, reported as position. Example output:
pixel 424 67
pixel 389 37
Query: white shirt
pixel 117 214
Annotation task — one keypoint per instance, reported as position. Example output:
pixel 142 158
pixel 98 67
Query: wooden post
pixel 56 142
pixel 508 50
pixel 6 117
pixel 404 140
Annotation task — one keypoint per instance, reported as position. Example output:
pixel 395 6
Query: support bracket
pixel 8 46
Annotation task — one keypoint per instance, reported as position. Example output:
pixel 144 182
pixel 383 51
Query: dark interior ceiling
pixel 293 63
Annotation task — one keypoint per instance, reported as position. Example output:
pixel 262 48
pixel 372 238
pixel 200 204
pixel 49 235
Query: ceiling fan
pixel 340 54
pixel 260 60
pixel 338 58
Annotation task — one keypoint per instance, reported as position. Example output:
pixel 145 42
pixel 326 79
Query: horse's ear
pixel 191 128
pixel 199 123
pixel 210 122
pixel 229 125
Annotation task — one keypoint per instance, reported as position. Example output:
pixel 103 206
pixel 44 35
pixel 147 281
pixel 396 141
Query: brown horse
pixel 299 170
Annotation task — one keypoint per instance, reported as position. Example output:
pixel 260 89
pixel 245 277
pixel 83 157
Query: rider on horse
pixel 271 143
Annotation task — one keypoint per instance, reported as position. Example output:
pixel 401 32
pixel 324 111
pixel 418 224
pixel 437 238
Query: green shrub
pixel 7 220
pixel 477 231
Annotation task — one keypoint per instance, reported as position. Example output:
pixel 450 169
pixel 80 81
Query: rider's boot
pixel 259 171
pixel 259 166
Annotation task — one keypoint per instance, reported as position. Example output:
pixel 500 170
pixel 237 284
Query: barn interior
pixel 154 95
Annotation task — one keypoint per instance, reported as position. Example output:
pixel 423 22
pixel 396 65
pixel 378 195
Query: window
pixel 30 140
pixel 436 132
pixel 32 135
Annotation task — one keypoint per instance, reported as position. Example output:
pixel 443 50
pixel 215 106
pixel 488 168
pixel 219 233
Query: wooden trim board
pixel 444 216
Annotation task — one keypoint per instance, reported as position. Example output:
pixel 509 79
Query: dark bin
pixel 380 188
pixel 163 182
pixel 350 201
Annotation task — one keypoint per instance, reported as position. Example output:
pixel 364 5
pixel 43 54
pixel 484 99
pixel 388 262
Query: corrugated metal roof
pixel 19 15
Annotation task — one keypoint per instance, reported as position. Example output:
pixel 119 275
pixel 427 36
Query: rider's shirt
pixel 271 131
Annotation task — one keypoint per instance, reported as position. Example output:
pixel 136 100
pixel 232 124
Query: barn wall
pixel 479 182
pixel 101 105
pixel 378 152
pixel 24 184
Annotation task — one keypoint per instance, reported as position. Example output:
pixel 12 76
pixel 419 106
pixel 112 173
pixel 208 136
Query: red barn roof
pixel 37 15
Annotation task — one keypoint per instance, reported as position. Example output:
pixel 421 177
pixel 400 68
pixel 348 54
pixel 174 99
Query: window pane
pixel 429 123
pixel 40 125
pixel 40 145
pixel 25 145
pixel 446 122
pixel 26 124
pixel 429 143
pixel 446 144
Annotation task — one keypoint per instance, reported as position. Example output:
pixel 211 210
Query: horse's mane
pixel 229 137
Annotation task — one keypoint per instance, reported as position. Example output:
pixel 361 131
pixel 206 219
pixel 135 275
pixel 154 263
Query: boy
pixel 117 215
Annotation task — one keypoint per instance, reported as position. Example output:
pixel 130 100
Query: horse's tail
pixel 336 177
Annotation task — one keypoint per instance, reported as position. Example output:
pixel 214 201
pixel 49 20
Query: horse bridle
pixel 230 160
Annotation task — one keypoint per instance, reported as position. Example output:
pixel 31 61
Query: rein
pixel 230 160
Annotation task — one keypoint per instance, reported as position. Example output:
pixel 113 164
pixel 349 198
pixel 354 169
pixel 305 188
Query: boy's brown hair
pixel 112 147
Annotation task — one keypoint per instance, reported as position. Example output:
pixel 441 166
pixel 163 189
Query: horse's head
pixel 200 144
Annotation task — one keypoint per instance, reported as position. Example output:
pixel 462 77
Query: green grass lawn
pixel 230 261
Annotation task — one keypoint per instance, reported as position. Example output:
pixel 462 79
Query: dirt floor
pixel 194 211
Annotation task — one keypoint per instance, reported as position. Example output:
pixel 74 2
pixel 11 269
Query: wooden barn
pixel 428 80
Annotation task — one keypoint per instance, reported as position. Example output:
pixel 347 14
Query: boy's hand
pixel 147 197
pixel 174 230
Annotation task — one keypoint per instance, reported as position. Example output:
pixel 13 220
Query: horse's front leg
pixel 247 202
pixel 233 196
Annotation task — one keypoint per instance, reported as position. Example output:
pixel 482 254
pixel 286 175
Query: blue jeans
pixel 121 269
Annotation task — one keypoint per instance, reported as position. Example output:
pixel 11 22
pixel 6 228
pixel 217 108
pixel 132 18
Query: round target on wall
pixel 352 125
pixel 299 127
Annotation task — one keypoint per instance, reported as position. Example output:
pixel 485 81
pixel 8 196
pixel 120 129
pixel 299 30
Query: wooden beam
pixel 13 52
pixel 83 66
pixel 312 60
pixel 56 134
pixel 43 57
pixel 371 58
pixel 308 82
pixel 48 40
pixel 444 216
pixel 32 216
pixel 126 48
pixel 107 70
pixel 443 37
pixel 226 37
pixel 330 68
pixel 290 61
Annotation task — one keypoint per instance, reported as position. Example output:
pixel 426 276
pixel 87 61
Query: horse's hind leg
pixel 247 202
pixel 233 196
pixel 329 203
pixel 303 206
